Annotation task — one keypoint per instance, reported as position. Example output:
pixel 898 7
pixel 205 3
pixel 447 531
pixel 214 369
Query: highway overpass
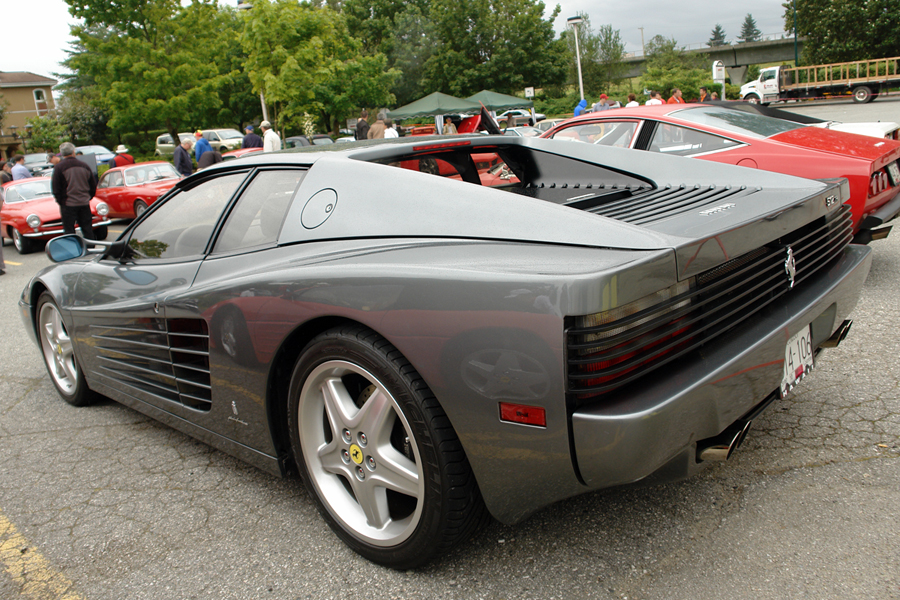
pixel 736 57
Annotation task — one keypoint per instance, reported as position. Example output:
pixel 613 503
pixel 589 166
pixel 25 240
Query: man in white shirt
pixel 271 141
pixel 654 99
pixel 389 131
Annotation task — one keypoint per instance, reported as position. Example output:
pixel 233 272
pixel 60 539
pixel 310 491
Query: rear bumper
pixel 662 419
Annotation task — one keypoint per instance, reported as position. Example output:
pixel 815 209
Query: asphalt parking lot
pixel 102 503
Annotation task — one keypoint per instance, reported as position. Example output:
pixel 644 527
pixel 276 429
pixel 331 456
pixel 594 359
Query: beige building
pixel 23 95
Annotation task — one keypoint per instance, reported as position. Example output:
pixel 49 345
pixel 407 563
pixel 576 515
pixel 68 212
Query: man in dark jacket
pixel 74 184
pixel 182 158
pixel 362 126
pixel 251 140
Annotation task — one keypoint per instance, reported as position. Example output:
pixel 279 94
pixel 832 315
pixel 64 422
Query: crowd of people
pixel 653 98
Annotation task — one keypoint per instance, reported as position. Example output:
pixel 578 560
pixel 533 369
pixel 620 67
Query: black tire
pixel 139 207
pixel 412 442
pixel 101 233
pixel 752 98
pixel 22 244
pixel 59 354
pixel 862 94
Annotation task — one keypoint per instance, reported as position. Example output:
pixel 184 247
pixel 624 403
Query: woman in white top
pixel 632 101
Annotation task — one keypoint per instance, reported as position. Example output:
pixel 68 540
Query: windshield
pixel 28 191
pixel 751 125
pixel 35 158
pixel 229 134
pixel 153 172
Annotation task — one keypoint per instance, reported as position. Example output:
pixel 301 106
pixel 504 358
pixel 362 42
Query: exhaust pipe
pixel 721 447
pixel 838 336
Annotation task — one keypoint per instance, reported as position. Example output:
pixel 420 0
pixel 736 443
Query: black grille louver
pixel 166 358
pixel 720 300
pixel 648 206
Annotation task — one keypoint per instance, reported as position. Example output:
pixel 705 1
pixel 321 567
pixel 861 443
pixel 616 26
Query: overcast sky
pixel 36 32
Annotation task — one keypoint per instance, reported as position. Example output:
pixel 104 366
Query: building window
pixel 39 96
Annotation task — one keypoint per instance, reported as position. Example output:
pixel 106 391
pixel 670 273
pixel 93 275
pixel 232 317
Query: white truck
pixel 865 79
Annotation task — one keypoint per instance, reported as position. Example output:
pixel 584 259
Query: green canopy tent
pixel 500 102
pixel 435 105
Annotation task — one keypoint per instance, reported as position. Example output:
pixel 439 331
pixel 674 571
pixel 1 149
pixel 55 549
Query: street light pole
pixel 796 62
pixel 575 22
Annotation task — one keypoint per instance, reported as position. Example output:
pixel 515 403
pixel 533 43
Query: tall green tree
pixel 669 67
pixel 717 37
pixel 749 31
pixel 305 61
pixel 503 45
pixel 845 30
pixel 155 64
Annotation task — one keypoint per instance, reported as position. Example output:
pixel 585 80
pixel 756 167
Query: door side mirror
pixel 66 247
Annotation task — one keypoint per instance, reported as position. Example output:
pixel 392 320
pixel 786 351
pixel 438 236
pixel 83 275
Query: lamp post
pixel 796 62
pixel 575 22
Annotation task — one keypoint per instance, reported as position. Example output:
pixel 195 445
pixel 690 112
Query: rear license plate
pixel 798 360
pixel 894 172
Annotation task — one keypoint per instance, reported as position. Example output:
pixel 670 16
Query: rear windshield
pixel 756 126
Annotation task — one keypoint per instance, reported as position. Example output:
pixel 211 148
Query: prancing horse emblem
pixel 790 267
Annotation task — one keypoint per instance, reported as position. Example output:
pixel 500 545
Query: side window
pixel 681 141
pixel 115 179
pixel 257 217
pixel 164 139
pixel 211 136
pixel 104 182
pixel 182 226
pixel 617 134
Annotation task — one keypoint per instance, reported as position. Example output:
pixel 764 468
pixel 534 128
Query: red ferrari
pixel 129 190
pixel 729 136
pixel 30 214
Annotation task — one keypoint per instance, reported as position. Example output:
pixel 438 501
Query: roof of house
pixel 24 79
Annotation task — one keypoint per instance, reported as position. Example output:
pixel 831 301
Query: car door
pixel 127 336
pixel 111 190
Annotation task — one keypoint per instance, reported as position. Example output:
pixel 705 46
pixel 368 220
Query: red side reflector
pixel 439 146
pixel 519 413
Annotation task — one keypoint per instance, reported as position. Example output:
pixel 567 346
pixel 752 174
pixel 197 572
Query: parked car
pixel 38 164
pixel 223 140
pixel 30 214
pixel 522 116
pixel 130 190
pixel 239 153
pixel 424 358
pixel 725 135
pixel 301 141
pixel 164 145
pixel 101 153
pixel 548 124
pixel 523 131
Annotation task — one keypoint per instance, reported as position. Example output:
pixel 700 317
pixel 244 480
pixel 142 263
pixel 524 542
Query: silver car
pixel 430 343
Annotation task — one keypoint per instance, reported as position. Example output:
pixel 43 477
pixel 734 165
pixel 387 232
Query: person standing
pixel 6 172
pixel 182 158
pixel 632 101
pixel 251 140
pixel 676 97
pixel 654 99
pixel 376 132
pixel 362 125
pixel 201 145
pixel 704 94
pixel 271 141
pixel 2 264
pixel 74 184
pixel 121 158
pixel 389 131
pixel 19 170
pixel 579 109
pixel 601 104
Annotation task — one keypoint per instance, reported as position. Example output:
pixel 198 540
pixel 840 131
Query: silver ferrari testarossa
pixel 437 330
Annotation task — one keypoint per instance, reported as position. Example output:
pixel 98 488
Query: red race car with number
pixel 30 214
pixel 725 135
pixel 131 189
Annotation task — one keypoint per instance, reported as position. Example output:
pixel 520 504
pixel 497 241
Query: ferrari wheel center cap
pixel 356 454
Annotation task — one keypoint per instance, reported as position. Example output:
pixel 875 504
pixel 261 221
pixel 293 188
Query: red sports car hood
pixel 839 142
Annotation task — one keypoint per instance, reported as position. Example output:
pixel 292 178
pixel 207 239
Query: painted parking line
pixel 29 569
pixel 15 264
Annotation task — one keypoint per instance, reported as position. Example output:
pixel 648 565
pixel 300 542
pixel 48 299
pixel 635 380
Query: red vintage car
pixel 129 190
pixel 724 135
pixel 30 214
